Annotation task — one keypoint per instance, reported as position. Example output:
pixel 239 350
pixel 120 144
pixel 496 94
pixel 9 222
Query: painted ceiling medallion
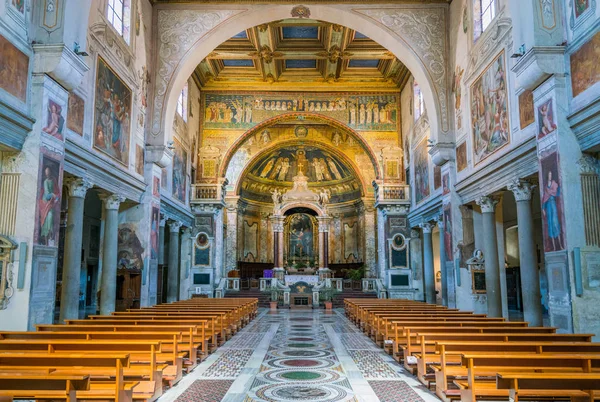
pixel 300 12
pixel 301 131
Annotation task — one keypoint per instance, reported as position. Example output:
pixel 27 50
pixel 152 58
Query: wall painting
pixel 19 5
pixel 585 69
pixel 448 232
pixel 437 177
pixel 156 186
pixel 179 171
pixel 489 110
pixel 139 159
pixel 581 7
pixel 526 109
pixel 14 69
pixel 75 113
pixel 421 171
pixel 372 112
pixel 154 231
pixel 552 201
pixel 54 122
pixel 163 178
pixel 461 156
pixel 112 107
pixel 300 246
pixel 48 198
pixel 350 241
pixel 546 121
pixel 446 184
pixel 131 252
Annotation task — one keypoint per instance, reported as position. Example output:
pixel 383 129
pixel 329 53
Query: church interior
pixel 252 201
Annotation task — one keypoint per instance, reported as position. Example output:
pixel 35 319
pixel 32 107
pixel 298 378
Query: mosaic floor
pixel 289 356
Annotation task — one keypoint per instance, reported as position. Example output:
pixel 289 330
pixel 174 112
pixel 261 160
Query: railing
pixel 265 284
pixel 391 192
pixel 233 284
pixel 382 292
pixel 208 192
pixel 337 284
pixel 221 288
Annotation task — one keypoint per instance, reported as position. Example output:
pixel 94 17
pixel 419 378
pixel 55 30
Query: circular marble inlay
pixel 301 375
pixel 300 363
pixel 302 329
pixel 300 392
pixel 301 353
pixel 301 326
pixel 301 345
pixel 301 339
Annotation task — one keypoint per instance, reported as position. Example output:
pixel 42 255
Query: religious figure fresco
pixel 552 202
pixel 75 114
pixel 446 184
pixel 156 186
pixel 489 110
pixel 112 114
pixel 154 230
pixel 526 110
pixel 581 6
pixel 448 231
pixel 585 69
pixel 19 5
pixel 130 250
pixel 139 159
pixel 14 67
pixel 179 171
pixel 372 112
pixel 546 119
pixel 421 172
pixel 300 238
pixel 461 156
pixel 48 203
pixel 55 122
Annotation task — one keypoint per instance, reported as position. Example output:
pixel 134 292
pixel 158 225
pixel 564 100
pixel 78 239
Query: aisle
pixel 299 356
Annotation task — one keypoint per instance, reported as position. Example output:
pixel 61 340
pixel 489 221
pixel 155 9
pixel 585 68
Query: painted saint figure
pixel 334 169
pixel 317 166
pixel 55 120
pixel 550 212
pixel 285 166
pixel 267 168
pixel 49 198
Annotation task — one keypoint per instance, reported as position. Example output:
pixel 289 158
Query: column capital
pixel 163 221
pixel 414 234
pixel 187 231
pixel 589 165
pixel 427 227
pixel 174 226
pixel 522 189
pixel 78 187
pixel 112 201
pixel 487 203
pixel 440 221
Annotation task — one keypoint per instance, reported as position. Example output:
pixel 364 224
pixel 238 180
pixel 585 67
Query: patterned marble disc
pixel 316 363
pixel 296 375
pixel 291 353
pixel 299 392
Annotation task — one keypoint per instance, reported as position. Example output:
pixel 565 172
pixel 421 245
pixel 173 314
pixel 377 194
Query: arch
pixel 337 153
pixel 294 115
pixel 302 204
pixel 414 34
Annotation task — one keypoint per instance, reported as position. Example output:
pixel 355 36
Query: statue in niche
pixel 276 196
pixel 324 196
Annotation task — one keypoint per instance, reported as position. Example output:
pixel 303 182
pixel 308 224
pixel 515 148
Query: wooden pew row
pixel 522 385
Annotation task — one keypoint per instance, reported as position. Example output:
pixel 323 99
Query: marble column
pixel 172 275
pixel 184 267
pixel 69 297
pixel 530 278
pixel 277 225
pixel 218 252
pixel 443 269
pixel 370 243
pixel 381 246
pixel 490 246
pixel 161 241
pixel 323 241
pixel 108 281
pixel 231 249
pixel 429 271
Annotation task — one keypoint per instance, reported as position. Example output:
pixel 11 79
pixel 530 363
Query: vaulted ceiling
pixel 319 55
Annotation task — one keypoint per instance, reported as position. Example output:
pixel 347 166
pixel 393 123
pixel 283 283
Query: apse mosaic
pixel 373 112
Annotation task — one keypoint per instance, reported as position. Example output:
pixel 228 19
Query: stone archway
pixel 186 34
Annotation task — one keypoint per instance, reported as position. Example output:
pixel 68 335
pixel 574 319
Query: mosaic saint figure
pixel 317 166
pixel 362 114
pixel 275 171
pixel 334 169
pixel 550 211
pixel 375 113
pixel 352 114
pixel 337 139
pixel 369 114
pixel 285 166
pixel 48 199
pixel 267 168
pixel 324 169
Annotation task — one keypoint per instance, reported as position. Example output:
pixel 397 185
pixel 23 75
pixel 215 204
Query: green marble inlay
pixel 301 345
pixel 301 375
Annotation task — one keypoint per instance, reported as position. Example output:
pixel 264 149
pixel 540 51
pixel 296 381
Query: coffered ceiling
pixel 318 55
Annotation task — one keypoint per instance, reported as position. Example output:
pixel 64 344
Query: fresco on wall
pixel 250 241
pixel 156 186
pixel 448 231
pixel 300 246
pixel 446 184
pixel 546 119
pixel 154 231
pixel 461 156
pixel 179 171
pixel 372 112
pixel 552 202
pixel 112 107
pixel 55 122
pixel 163 178
pixel 48 198
pixel 489 110
pixel 526 109
pixel 14 69
pixel 75 114
pixel 130 251
pixel 284 163
pixel 437 177
pixel 19 5
pixel 139 159
pixel 585 69
pixel 581 6
pixel 421 171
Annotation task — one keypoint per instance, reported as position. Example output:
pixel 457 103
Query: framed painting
pixel 437 177
pixel 461 156
pixel 421 164
pixel 75 113
pixel 139 159
pixel 585 69
pixel 478 281
pixel 553 227
pixel 14 69
pixel 526 110
pixel 54 122
pixel 179 171
pixel 48 199
pixel 112 107
pixel 489 110
pixel 546 120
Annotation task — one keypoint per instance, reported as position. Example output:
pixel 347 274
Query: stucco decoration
pixel 424 30
pixel 179 30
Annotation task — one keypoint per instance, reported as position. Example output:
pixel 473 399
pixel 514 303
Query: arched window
pixel 419 102
pixel 182 103
pixel 119 16
pixel 484 12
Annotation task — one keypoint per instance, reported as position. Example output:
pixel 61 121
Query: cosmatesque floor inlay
pixel 289 356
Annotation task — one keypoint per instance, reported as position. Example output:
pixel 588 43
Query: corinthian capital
pixel 522 189
pixel 487 203
pixel 174 226
pixel 427 227
pixel 112 202
pixel 78 187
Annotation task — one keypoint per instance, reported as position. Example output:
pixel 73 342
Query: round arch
pixel 337 153
pixel 415 52
pixel 291 116
pixel 299 205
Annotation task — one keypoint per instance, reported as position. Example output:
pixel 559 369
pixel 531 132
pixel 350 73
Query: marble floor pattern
pixel 299 355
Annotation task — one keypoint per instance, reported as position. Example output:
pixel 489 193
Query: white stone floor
pixel 299 355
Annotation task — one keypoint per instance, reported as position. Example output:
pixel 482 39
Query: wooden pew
pixel 42 386
pixel 529 384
